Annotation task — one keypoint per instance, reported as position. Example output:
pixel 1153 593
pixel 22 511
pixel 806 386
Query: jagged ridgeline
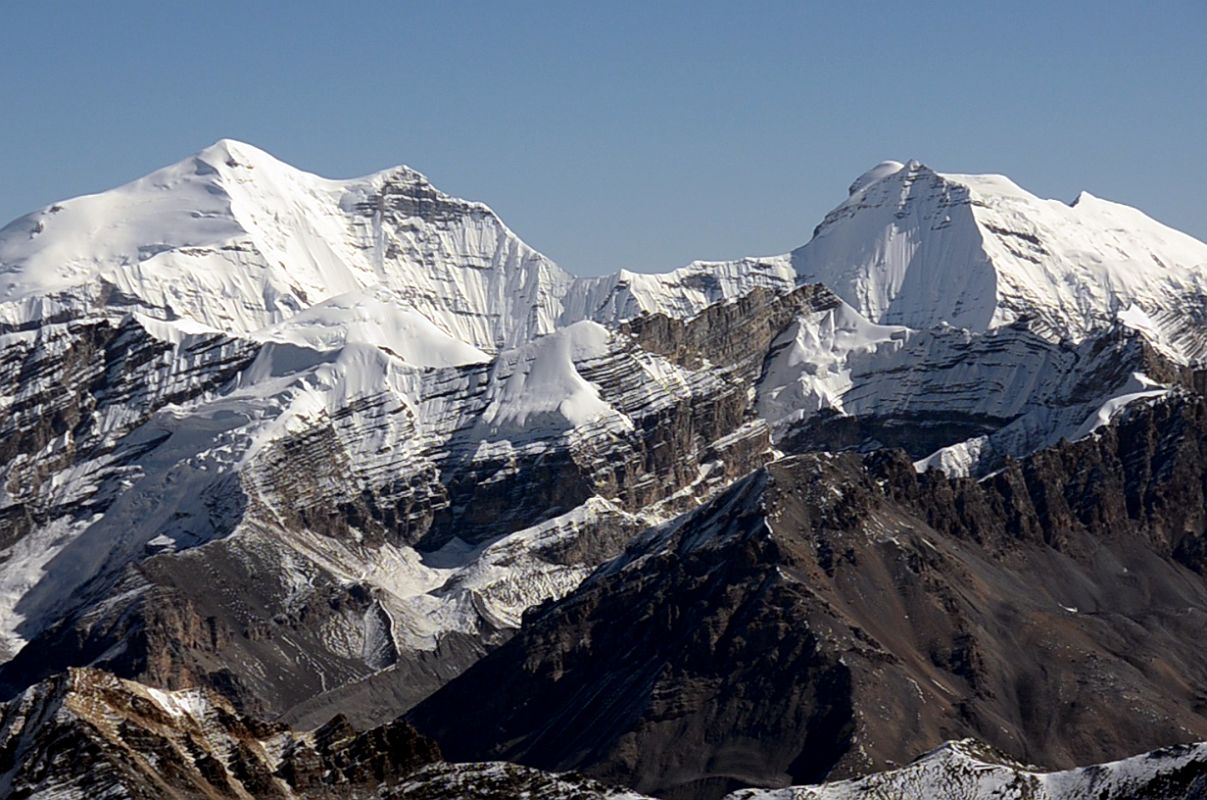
pixel 287 459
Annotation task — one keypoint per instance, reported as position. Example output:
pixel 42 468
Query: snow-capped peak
pixel 882 170
pixel 234 153
pixel 916 247
pixel 233 239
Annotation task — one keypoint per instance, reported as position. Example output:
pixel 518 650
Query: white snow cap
pixel 233 240
pixel 911 246
pixel 878 172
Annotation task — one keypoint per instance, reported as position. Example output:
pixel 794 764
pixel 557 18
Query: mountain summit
pixel 233 240
pixel 912 246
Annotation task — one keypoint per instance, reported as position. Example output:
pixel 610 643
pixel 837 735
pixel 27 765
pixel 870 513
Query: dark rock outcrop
pixel 88 731
pixel 228 615
pixel 836 614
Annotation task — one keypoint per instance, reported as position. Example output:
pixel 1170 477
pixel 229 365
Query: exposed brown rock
pixel 833 615
pixel 90 731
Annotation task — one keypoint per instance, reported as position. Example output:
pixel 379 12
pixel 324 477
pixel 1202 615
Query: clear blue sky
pixel 612 134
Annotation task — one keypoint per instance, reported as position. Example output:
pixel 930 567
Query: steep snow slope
pixel 234 240
pixel 373 317
pixel 547 392
pixel 915 247
pixel 810 366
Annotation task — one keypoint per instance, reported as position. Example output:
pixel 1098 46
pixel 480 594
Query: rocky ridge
pixel 88 734
pixel 832 615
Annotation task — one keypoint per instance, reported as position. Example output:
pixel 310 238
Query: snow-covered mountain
pixel 232 240
pixel 321 444
pixel 915 247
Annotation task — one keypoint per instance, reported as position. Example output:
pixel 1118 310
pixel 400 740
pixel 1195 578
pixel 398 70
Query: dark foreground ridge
pixel 833 615
pixel 89 733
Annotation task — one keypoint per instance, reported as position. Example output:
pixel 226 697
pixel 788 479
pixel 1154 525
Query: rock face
pixel 87 732
pixel 342 529
pixel 831 615
pixel 352 514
